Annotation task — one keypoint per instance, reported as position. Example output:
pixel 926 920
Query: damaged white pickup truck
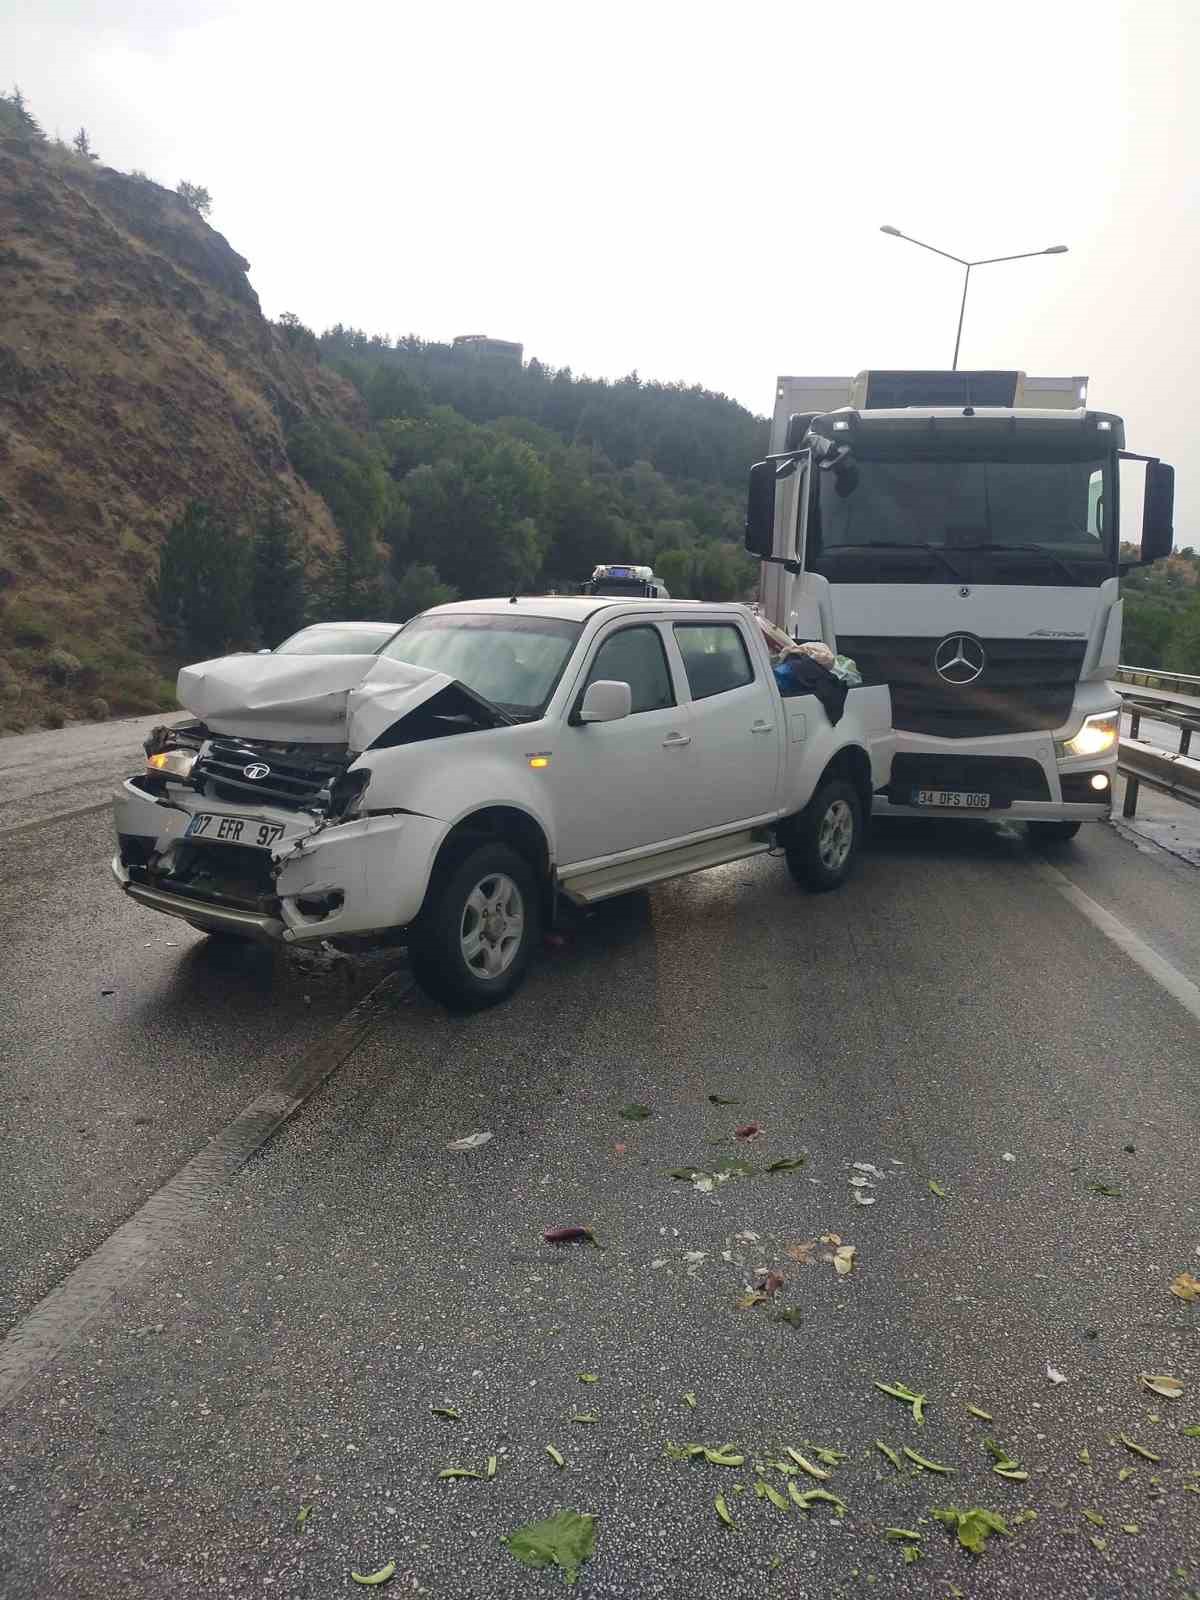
pixel 495 756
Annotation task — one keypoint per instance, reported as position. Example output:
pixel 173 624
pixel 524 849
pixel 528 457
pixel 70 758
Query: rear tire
pixel 481 922
pixel 1053 832
pixel 825 838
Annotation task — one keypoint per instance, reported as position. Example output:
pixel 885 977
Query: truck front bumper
pixel 318 881
pixel 1022 776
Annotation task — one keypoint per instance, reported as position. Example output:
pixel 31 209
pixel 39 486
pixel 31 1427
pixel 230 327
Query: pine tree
pixel 203 587
pixel 83 145
pixel 277 579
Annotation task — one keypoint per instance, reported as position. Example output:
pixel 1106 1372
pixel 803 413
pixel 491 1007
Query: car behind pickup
pixel 496 757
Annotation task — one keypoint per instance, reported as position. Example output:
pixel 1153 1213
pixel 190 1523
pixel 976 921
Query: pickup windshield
pixel 515 662
pixel 1055 511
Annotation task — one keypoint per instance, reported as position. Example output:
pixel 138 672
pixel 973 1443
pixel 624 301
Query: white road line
pixel 183 1204
pixel 1178 986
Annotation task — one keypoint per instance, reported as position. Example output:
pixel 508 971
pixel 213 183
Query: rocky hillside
pixel 137 373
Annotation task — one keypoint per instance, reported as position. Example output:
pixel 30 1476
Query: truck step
pixel 602 883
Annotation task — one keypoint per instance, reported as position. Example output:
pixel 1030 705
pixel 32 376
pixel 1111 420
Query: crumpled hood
pixel 305 699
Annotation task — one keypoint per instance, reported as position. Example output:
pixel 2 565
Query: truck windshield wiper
pixel 926 548
pixel 1039 550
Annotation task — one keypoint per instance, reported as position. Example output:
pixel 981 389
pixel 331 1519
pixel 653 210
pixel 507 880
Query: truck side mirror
pixel 606 700
pixel 760 509
pixel 1158 512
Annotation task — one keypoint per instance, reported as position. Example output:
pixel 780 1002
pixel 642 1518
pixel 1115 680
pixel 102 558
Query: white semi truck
pixel 958 535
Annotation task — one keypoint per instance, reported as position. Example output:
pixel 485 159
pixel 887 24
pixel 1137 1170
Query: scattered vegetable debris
pixel 900 1391
pixel 304 1514
pixel 635 1112
pixel 723 1511
pixel 556 1456
pixel 806 1465
pixel 1138 1450
pixel 924 1463
pixel 786 1314
pixel 865 1166
pixel 750 1131
pixel 1106 1190
pixel 1186 1287
pixel 570 1236
pixel 1160 1383
pixel 1055 1375
pixel 785 1164
pixel 459 1472
pixel 472 1141
pixel 807 1497
pixel 565 1540
pixel 446 1411
pixel 984 1416
pixel 690 1399
pixel 861 1199
pixel 937 1189
pixel 972 1527
pixel 892 1456
pixel 843 1259
pixel 589 1377
pixel 586 1416
pixel 902 1533
pixel 372 1580
pixel 1095 1518
pixel 767 1491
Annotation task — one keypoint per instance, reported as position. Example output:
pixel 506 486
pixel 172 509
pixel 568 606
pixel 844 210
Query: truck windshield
pixel 513 661
pixel 1055 509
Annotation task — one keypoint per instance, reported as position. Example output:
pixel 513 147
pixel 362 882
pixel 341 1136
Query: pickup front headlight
pixel 172 763
pixel 1097 735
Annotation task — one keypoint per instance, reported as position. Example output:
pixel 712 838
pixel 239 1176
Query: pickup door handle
pixel 676 741
pixel 761 727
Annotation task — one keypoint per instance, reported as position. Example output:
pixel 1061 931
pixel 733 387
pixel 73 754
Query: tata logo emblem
pixel 256 770
pixel 959 660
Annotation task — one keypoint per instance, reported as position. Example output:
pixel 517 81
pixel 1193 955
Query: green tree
pixel 16 117
pixel 277 579
pixel 416 589
pixel 203 584
pixel 82 146
pixel 194 195
pixel 1183 645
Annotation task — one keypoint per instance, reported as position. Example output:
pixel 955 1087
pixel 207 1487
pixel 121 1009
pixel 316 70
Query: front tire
pixel 1053 832
pixel 823 847
pixel 473 941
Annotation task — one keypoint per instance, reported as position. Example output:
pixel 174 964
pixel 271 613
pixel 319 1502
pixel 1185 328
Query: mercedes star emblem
pixel 257 770
pixel 959 659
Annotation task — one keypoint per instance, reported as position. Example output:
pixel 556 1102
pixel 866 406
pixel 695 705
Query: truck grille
pixel 1005 778
pixel 1027 685
pixel 296 774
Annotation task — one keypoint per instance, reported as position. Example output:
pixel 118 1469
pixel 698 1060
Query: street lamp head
pixel 1055 250
pixel 895 232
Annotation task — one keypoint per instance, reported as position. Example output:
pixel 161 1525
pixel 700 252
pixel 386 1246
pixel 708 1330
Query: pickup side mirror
pixel 760 509
pixel 606 700
pixel 1158 512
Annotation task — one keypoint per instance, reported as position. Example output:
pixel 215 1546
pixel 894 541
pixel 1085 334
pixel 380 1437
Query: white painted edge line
pixel 184 1204
pixel 1178 986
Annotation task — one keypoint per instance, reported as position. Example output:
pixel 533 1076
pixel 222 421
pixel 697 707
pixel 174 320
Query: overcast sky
pixel 691 190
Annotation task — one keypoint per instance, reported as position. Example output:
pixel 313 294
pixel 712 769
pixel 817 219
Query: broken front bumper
pixel 318 881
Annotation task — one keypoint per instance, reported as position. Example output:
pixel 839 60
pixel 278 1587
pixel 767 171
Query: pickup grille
pixel 295 777
pixel 1027 685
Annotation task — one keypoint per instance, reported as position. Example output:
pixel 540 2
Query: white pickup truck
pixel 495 756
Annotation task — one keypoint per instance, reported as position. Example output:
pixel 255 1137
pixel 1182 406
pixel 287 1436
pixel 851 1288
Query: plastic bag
pixel 845 668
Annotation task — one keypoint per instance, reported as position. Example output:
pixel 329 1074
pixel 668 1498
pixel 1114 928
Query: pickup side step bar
pixel 602 883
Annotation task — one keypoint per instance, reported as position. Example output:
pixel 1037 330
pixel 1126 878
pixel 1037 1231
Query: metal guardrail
pixel 1140 763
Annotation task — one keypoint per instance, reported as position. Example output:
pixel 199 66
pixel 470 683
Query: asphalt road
pixel 956 1005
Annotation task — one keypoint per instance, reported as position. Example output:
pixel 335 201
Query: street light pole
pixel 990 261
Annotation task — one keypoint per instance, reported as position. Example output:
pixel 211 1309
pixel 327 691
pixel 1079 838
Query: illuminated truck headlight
pixel 1097 735
pixel 173 763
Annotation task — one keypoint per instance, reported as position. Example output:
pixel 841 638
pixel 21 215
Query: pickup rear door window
pixel 735 723
pixel 625 785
